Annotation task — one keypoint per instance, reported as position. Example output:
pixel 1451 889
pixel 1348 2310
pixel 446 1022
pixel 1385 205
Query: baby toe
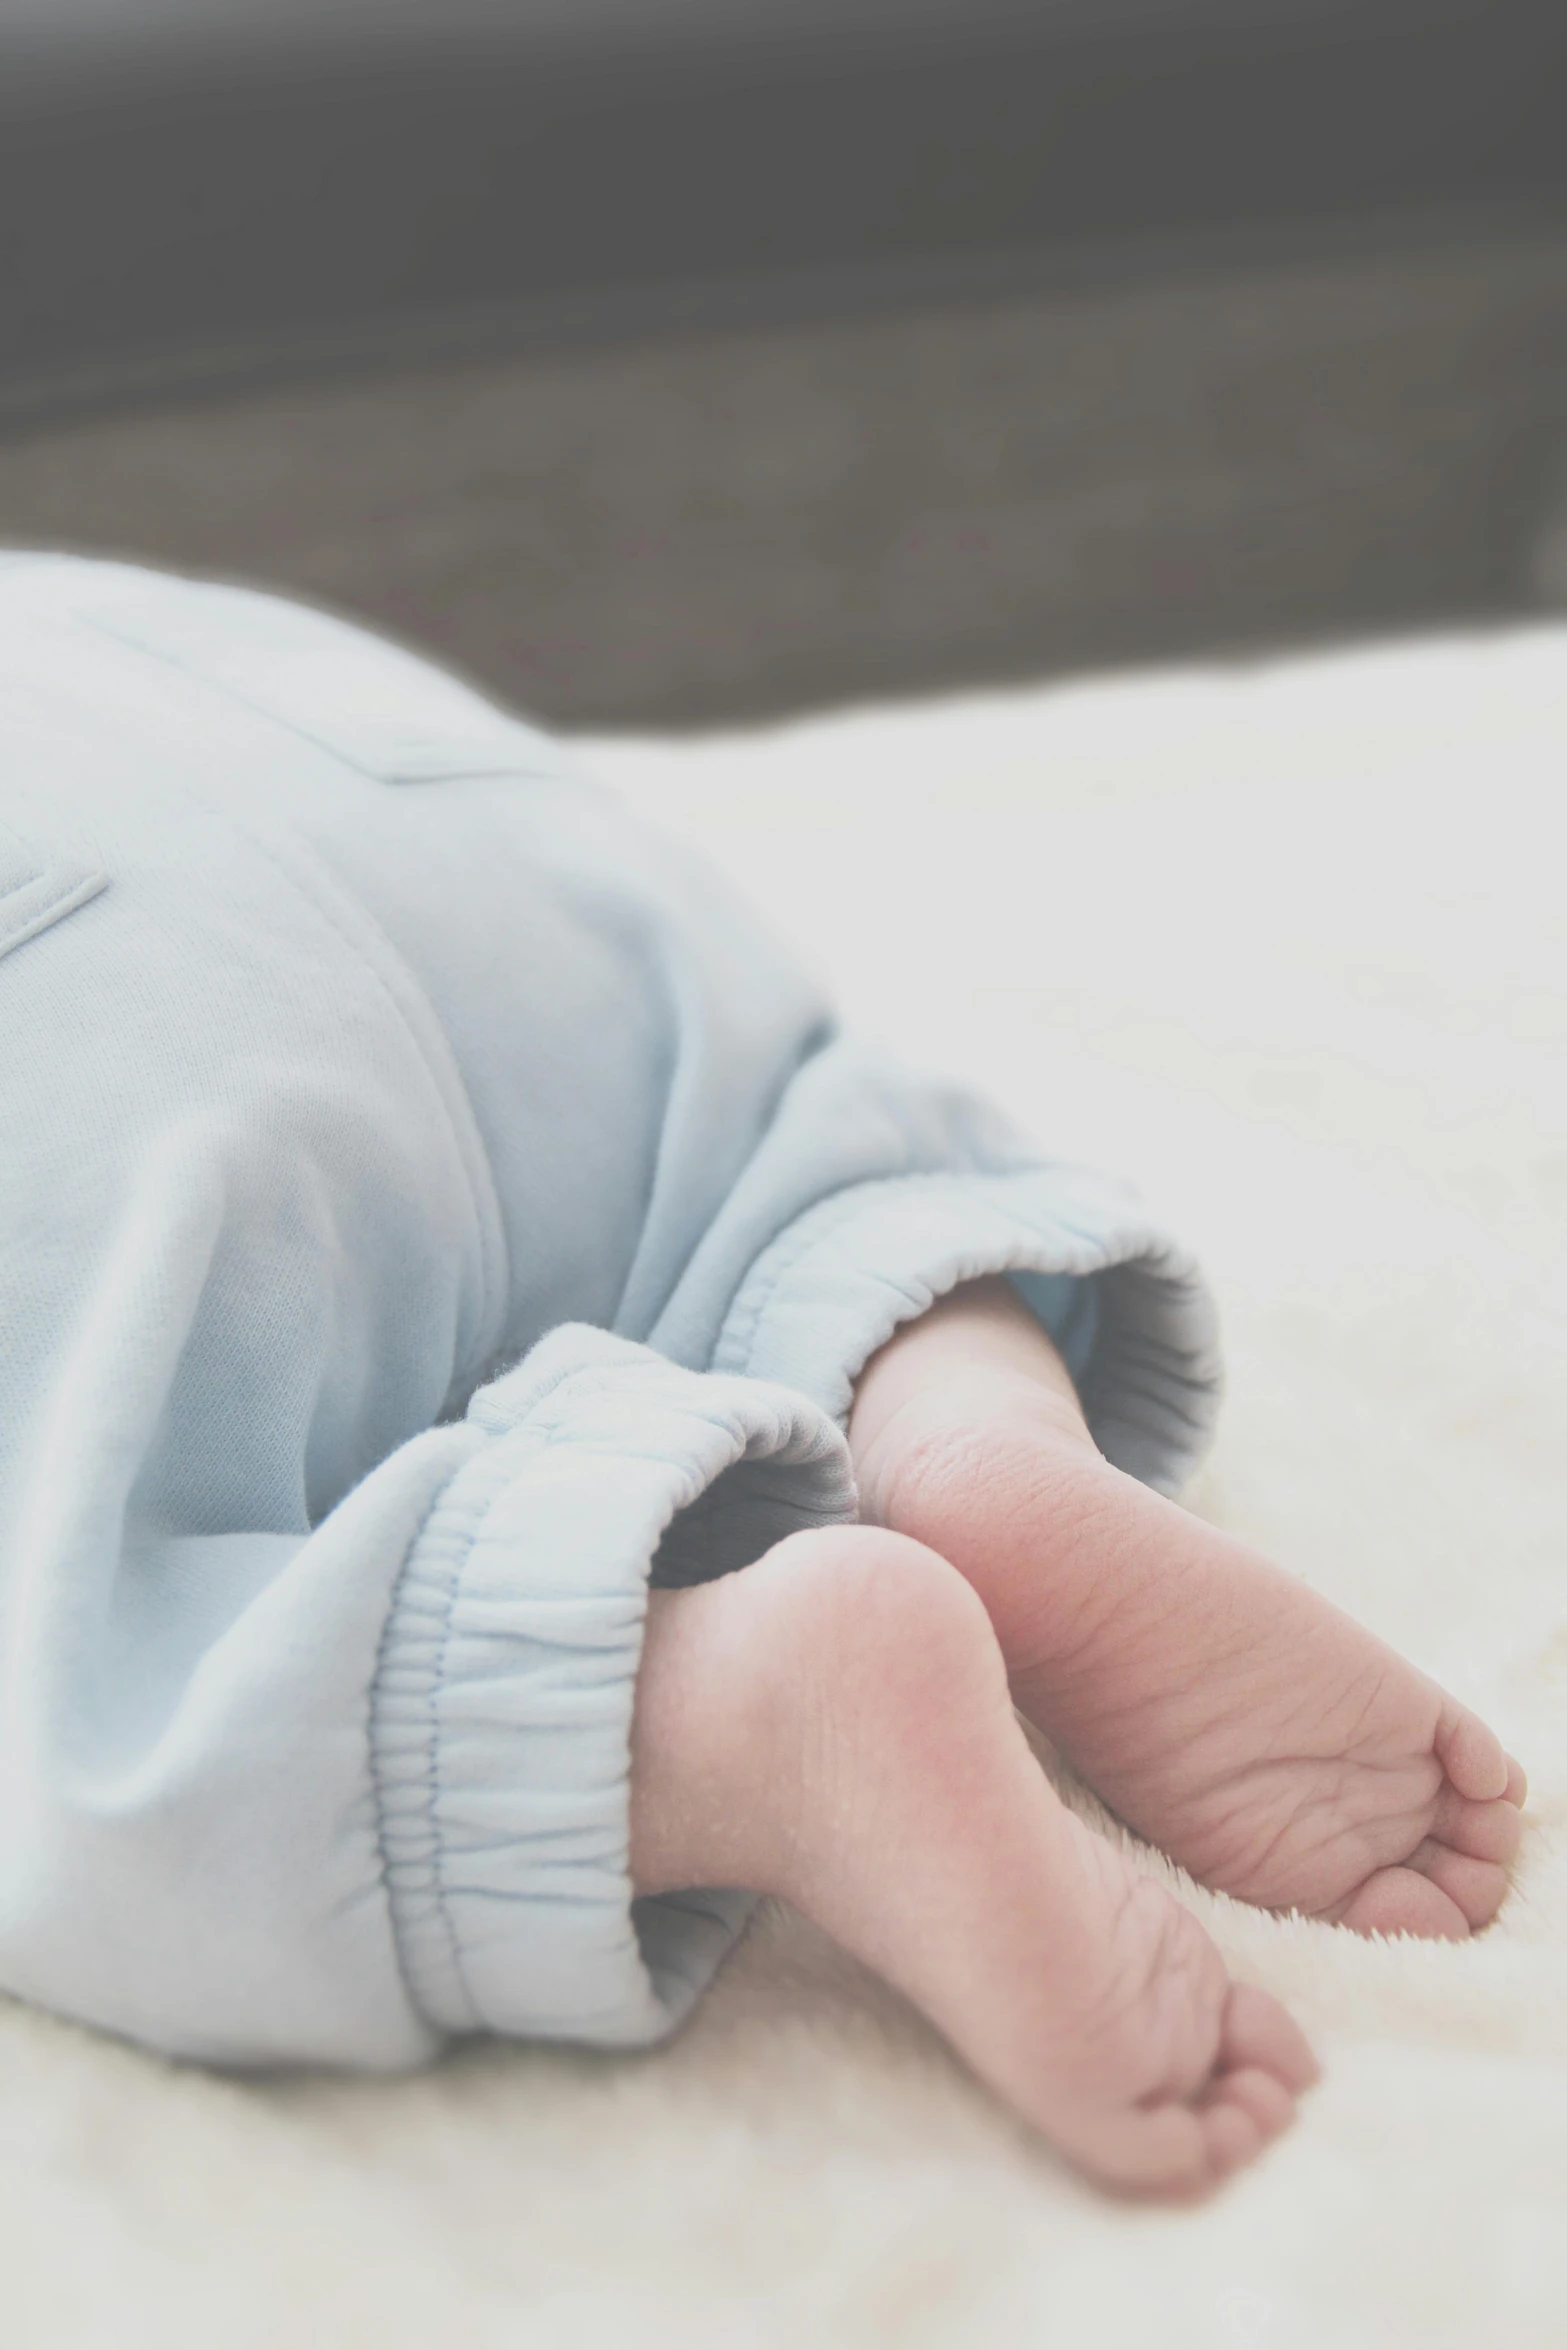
pixel 1162 2151
pixel 1517 1789
pixel 1260 2035
pixel 1231 2134
pixel 1479 1887
pixel 1262 2096
pixel 1403 1901
pixel 1472 1756
pixel 1485 1831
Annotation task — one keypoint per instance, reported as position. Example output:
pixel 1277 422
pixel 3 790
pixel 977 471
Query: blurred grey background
pixel 676 361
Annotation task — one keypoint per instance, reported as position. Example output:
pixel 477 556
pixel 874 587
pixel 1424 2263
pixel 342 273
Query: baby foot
pixel 833 1725
pixel 1221 1708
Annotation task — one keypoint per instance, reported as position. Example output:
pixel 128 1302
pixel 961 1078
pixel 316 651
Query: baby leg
pixel 833 1725
pixel 1222 1708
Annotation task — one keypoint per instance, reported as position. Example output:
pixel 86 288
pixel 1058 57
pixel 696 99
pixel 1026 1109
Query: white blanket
pixel 1289 944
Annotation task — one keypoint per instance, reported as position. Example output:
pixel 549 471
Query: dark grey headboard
pixel 225 190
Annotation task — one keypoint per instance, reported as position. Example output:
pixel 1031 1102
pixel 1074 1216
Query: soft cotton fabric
pixel 1285 939
pixel 430 1204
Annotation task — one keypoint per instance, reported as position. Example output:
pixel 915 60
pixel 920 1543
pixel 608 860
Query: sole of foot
pixel 1222 1709
pixel 849 1743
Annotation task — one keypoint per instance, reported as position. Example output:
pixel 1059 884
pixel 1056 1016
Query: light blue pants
pixel 423 1192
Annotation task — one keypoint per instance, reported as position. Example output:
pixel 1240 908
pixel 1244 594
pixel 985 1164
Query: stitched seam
pixel 550 1433
pixel 491 1228
pixel 823 1222
pixel 437 1783
pixel 20 923
pixel 373 1741
pixel 550 1428
pixel 492 1238
pixel 817 1225
pixel 1134 1244
pixel 487 1214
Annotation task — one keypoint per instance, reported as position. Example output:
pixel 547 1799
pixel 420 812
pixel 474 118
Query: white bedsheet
pixel 1289 944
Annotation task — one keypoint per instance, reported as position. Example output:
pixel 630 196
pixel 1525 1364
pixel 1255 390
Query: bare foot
pixel 1221 1708
pixel 833 1725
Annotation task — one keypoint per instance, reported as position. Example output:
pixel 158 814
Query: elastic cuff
pixel 837 1282
pixel 501 1715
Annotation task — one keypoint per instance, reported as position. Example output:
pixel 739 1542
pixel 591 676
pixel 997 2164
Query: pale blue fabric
pixel 429 1204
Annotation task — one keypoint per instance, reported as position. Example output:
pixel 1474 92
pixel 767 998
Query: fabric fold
pixel 416 1054
pixel 1124 1302
pixel 501 1720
